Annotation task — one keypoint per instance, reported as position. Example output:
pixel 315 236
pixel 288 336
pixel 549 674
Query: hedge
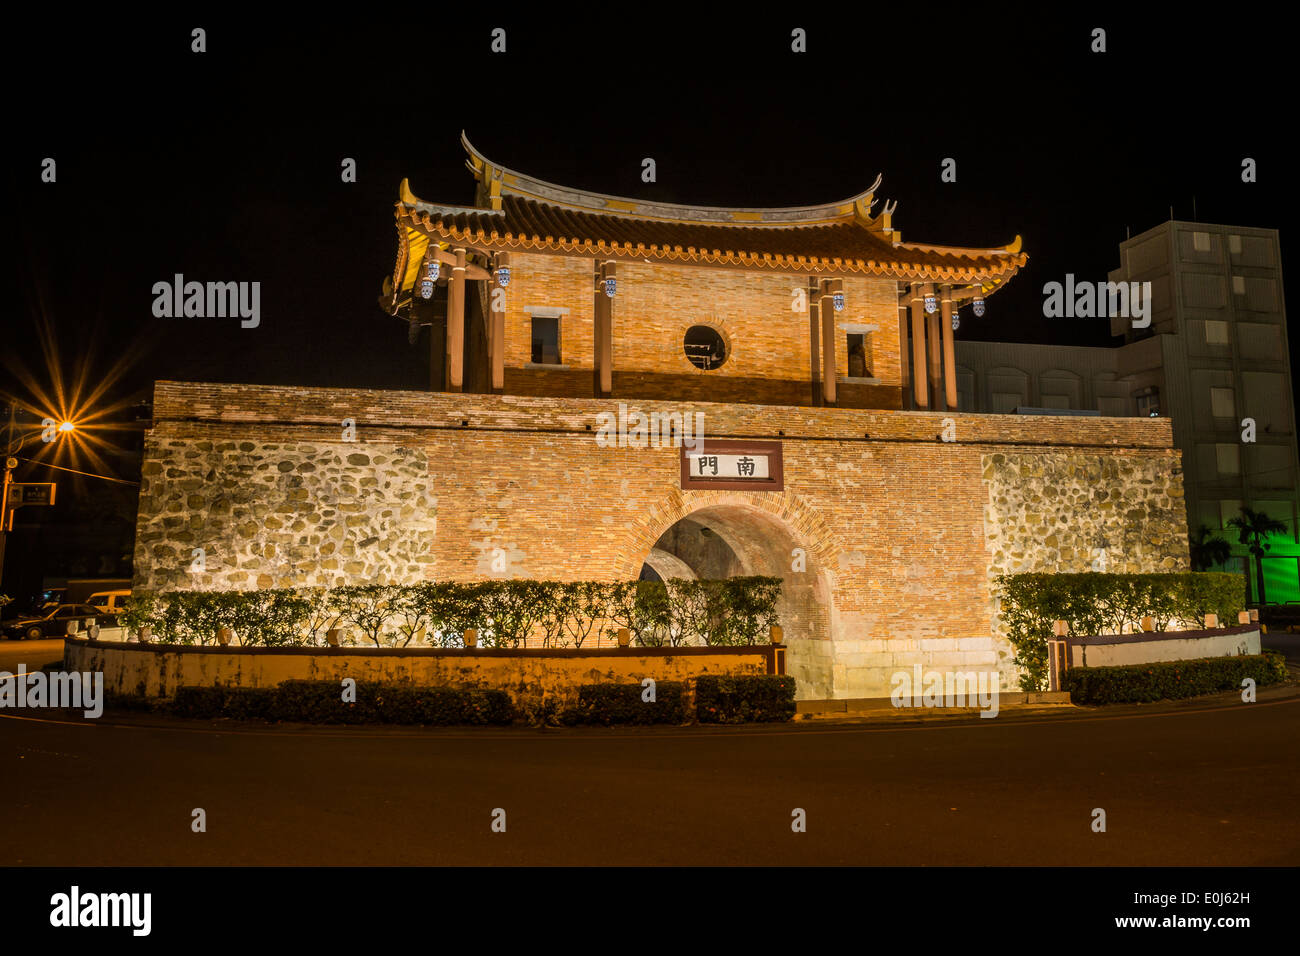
pixel 741 699
pixel 625 704
pixel 321 702
pixel 1094 603
pixel 735 611
pixel 1169 680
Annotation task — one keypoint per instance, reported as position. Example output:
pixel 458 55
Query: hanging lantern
pixel 956 322
pixel 978 306
pixel 503 276
pixel 426 288
pixel 838 299
pixel 611 286
pixel 432 267
pixel 931 304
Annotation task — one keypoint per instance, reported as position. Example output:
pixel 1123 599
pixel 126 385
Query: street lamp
pixel 65 427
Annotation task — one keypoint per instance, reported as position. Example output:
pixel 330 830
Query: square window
pixel 858 349
pixel 1228 458
pixel 1216 332
pixel 546 340
pixel 1201 241
pixel 1222 403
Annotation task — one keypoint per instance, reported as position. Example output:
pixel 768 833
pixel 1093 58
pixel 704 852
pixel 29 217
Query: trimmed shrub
pixel 201 702
pixel 742 699
pixel 321 702
pixel 1095 603
pixel 622 704
pixel 1170 680
pixel 505 613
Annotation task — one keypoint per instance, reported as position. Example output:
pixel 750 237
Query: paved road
pixel 1180 786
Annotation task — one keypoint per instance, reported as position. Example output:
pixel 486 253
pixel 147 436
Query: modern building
pixel 582 345
pixel 1214 356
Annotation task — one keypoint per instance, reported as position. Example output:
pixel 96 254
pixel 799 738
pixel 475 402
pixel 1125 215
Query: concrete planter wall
pixel 527 675
pixel 1113 650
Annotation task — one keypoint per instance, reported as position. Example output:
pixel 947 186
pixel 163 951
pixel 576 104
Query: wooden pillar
pixel 814 340
pixel 829 287
pixel 919 392
pixel 456 324
pixel 496 327
pixel 934 345
pixel 603 329
pixel 905 361
pixel 949 354
pixel 607 337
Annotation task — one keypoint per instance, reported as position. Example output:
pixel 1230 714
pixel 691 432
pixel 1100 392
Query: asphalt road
pixel 1212 785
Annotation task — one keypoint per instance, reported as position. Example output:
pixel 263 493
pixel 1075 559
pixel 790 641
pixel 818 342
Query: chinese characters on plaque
pixel 734 464
pixel 728 466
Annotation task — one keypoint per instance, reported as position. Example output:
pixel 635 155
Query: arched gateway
pixel 734 535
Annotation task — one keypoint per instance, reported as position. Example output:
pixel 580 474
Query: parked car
pixel 54 623
pixel 109 602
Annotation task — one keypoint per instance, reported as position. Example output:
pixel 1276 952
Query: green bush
pixel 505 613
pixel 742 699
pixel 321 702
pixel 1170 680
pixel 1094 603
pixel 623 704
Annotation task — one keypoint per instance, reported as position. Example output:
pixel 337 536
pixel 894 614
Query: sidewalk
pixel 883 707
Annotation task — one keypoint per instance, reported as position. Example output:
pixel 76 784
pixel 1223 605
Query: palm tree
pixel 1252 528
pixel 1208 549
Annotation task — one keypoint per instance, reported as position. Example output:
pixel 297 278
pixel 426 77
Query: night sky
pixel 225 165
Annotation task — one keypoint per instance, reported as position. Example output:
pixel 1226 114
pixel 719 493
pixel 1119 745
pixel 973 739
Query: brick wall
pixel 768 358
pixel 900 532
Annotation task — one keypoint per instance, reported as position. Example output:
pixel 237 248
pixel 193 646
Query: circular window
pixel 704 347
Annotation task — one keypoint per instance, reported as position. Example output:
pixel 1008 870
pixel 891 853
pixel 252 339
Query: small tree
pixel 1207 549
pixel 139 609
pixel 1253 527
pixel 367 607
pixel 412 607
pixel 584 605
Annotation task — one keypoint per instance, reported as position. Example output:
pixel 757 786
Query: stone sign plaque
pixel 732 465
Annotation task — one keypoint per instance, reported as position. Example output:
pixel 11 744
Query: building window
pixel 546 340
pixel 1234 245
pixel 1228 458
pixel 1148 402
pixel 1222 403
pixel 1201 241
pixel 858 349
pixel 1238 285
pixel 704 347
pixel 1216 332
pixel 1229 508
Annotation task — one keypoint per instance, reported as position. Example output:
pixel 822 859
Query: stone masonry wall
pixel 281 514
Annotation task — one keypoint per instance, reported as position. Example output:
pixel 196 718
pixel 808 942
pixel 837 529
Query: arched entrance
pixel 732 539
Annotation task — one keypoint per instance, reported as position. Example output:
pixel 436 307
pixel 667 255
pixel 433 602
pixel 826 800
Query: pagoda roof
pixel 514 211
